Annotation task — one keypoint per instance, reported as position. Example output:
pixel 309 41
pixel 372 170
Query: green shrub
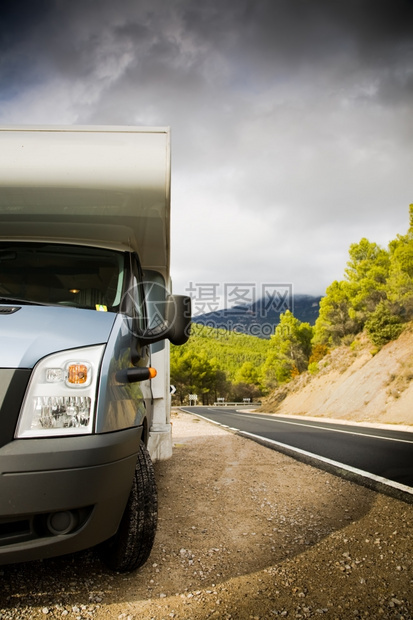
pixel 383 326
pixel 313 368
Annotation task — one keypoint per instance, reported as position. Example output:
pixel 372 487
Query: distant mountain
pixel 261 317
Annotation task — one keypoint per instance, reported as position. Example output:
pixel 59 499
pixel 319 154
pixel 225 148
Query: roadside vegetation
pixel 374 297
pixel 216 363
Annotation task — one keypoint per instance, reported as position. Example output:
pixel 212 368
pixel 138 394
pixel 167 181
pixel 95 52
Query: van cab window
pixel 69 275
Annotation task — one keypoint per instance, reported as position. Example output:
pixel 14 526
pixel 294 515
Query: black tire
pixel 132 544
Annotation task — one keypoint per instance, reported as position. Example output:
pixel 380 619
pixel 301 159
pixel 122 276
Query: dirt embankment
pixel 245 533
pixel 354 383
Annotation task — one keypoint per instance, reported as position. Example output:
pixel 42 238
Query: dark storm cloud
pixel 19 18
pixel 262 34
pixel 270 37
pixel 18 22
pixel 247 46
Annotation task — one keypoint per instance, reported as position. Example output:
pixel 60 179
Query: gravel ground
pixel 244 533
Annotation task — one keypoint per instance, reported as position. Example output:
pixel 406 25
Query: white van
pixel 86 313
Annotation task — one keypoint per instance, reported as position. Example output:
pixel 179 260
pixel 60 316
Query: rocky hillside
pixel 354 383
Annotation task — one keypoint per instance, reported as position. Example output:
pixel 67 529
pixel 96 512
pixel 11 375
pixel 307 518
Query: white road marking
pixel 326 428
pixel 354 470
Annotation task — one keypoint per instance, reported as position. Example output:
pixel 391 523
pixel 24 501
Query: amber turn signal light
pixel 134 375
pixel 77 374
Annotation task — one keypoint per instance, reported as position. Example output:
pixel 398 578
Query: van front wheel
pixel 132 544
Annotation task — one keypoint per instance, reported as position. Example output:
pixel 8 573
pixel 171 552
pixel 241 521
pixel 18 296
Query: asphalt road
pixel 384 456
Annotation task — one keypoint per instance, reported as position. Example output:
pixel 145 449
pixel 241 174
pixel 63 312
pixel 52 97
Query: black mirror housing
pixel 178 319
pixel 176 326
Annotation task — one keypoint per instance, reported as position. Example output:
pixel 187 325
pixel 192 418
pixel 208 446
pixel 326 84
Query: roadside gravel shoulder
pixel 244 533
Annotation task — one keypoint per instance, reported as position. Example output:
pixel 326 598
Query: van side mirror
pixel 178 318
pixel 175 324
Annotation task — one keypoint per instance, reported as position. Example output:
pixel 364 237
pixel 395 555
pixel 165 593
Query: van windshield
pixel 66 275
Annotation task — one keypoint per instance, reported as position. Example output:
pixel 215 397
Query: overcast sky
pixel 291 120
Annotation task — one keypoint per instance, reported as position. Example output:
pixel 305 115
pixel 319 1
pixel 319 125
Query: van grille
pixel 14 531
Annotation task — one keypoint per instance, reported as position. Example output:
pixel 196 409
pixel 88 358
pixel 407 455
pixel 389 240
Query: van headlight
pixel 61 396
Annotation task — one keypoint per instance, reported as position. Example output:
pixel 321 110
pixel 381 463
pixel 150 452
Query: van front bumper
pixel 61 495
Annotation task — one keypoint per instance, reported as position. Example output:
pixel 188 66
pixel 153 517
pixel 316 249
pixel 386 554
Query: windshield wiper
pixel 16 300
